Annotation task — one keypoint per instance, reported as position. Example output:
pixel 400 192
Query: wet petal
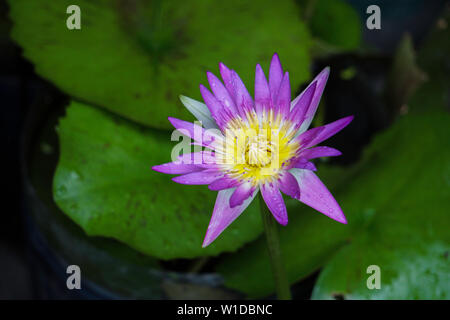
pixel 223 183
pixel 214 106
pixel 314 194
pixel 223 215
pixel 225 73
pixel 274 201
pixel 200 111
pixel 289 185
pixel 198 178
pixel 241 193
pixel 198 158
pixel 176 168
pixel 221 92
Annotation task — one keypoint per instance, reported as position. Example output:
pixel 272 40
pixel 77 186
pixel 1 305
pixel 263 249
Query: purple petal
pixel 198 178
pixel 318 152
pixel 289 185
pixel 214 106
pixel 314 194
pixel 306 138
pixel 329 130
pixel 301 105
pixel 243 99
pixel 221 92
pixel 223 183
pixel 206 138
pixel 275 76
pixel 225 73
pixel 223 215
pixel 242 193
pixel 303 163
pixel 262 92
pixel 176 168
pixel 274 201
pixel 284 96
pixel 198 158
pixel 321 81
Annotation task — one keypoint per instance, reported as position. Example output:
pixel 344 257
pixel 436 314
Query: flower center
pixel 255 151
pixel 258 151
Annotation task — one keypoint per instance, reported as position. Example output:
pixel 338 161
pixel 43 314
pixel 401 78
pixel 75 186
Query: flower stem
pixel 273 245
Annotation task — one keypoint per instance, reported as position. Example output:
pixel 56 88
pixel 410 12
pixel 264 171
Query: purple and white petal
pixel 274 201
pixel 275 76
pixel 321 81
pixel 283 100
pixel 303 163
pixel 198 158
pixel 329 130
pixel 223 183
pixel 176 168
pixel 223 215
pixel 207 138
pixel 242 193
pixel 215 107
pixel 242 98
pixel 198 178
pixel 302 103
pixel 314 194
pixel 225 73
pixel 263 101
pixel 306 138
pixel 221 92
pixel 200 111
pixel 318 152
pixel 289 185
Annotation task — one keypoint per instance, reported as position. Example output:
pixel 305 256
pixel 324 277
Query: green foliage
pixel 417 272
pixel 135 57
pixel 336 23
pixel 394 200
pixel 104 183
pixel 409 241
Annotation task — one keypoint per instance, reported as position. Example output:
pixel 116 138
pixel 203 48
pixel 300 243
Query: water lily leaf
pixel 409 238
pixel 135 57
pixel 404 273
pixel 336 23
pixel 105 184
pixel 395 198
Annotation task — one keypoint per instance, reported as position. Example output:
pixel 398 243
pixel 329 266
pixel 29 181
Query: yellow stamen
pixel 257 148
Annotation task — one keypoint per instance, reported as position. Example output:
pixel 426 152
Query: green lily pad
pixel 419 272
pixel 135 57
pixel 409 238
pixel 337 24
pixel 105 184
pixel 394 199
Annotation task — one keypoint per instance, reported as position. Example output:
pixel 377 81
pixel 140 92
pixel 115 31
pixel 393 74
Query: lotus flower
pixel 256 145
